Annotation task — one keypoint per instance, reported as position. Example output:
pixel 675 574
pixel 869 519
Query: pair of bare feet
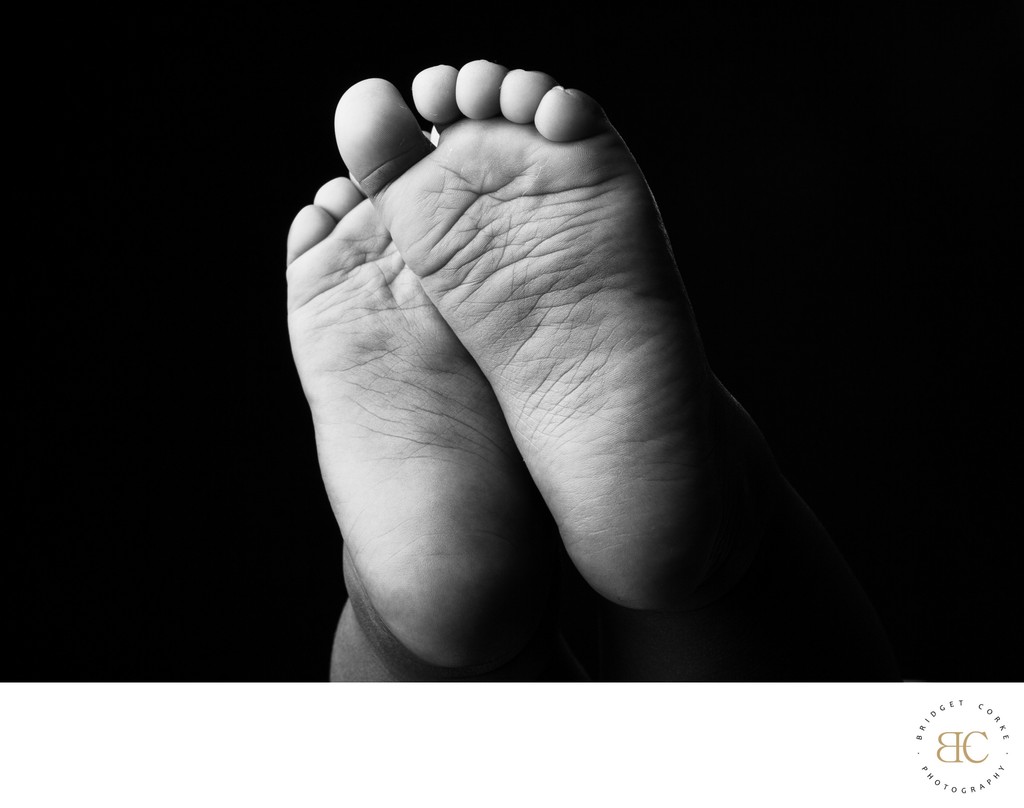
pixel 490 314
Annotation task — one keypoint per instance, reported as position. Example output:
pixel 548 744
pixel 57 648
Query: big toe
pixel 378 135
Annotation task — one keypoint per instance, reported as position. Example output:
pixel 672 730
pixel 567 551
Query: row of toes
pixel 442 95
pixel 314 223
pixel 483 89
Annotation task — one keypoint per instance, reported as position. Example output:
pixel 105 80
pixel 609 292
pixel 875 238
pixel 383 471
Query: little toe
pixel 378 135
pixel 478 89
pixel 433 94
pixel 521 93
pixel 565 115
pixel 338 197
pixel 310 226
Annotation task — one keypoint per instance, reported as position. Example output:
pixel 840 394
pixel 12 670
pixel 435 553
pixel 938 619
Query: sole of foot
pixel 534 234
pixel 437 511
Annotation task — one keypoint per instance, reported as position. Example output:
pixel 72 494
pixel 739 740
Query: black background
pixel 842 189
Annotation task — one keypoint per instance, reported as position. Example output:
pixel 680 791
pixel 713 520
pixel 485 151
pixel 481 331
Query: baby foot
pixel 536 237
pixel 434 503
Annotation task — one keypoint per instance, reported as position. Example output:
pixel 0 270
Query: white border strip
pixel 485 745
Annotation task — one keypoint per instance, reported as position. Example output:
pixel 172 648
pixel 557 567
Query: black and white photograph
pixel 583 346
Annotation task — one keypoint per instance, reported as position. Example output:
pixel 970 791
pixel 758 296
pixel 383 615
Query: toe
pixel 378 135
pixel 565 115
pixel 433 93
pixel 338 197
pixel 478 89
pixel 521 92
pixel 310 226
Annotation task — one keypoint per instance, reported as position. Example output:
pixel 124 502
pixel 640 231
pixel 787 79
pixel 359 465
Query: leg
pixel 796 614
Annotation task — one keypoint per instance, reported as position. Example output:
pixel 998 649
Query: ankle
pixel 453 612
pixel 749 481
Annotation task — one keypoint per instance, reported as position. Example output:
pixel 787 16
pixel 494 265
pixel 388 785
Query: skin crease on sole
pixel 437 512
pixel 536 238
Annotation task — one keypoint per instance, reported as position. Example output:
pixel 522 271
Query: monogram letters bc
pixel 963 747
pixel 960 746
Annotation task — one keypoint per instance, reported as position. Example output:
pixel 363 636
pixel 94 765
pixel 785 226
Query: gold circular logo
pixel 962 747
